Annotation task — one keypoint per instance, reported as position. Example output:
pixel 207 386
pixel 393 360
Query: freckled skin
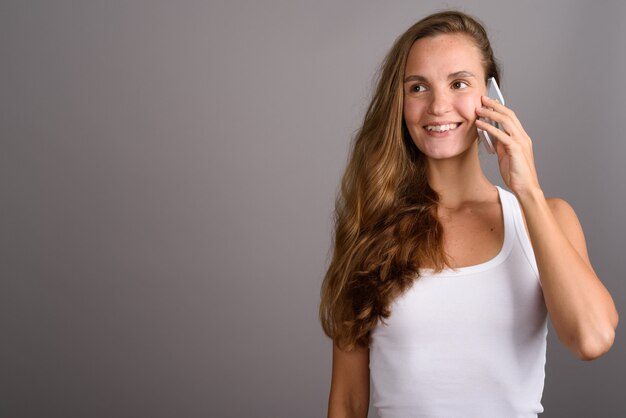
pixel 439 99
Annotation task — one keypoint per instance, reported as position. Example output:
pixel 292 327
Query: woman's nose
pixel 440 103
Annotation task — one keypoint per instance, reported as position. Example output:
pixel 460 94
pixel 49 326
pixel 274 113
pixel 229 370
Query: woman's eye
pixel 460 84
pixel 418 88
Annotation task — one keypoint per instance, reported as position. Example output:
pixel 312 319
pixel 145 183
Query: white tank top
pixel 469 342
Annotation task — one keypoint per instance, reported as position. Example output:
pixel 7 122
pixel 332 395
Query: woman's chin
pixel 442 154
pixel 445 151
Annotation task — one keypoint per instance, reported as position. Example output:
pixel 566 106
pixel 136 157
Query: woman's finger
pixel 495 104
pixel 499 107
pixel 507 123
pixel 495 132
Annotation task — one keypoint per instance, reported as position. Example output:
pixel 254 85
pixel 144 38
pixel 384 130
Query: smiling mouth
pixel 442 128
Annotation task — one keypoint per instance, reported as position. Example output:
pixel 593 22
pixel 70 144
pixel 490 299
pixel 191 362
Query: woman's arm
pixel 350 385
pixel 581 308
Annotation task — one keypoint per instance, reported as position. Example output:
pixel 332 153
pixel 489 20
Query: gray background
pixel 168 171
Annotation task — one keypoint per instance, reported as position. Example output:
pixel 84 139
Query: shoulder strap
pixel 520 229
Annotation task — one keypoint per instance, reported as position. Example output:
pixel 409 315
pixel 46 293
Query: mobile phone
pixel 493 91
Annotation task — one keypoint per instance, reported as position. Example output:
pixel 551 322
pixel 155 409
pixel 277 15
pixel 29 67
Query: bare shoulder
pixel 567 219
pixel 562 211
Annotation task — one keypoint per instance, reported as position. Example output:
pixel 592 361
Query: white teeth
pixel 441 128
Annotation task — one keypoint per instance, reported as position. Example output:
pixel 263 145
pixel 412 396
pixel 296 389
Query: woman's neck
pixel 459 181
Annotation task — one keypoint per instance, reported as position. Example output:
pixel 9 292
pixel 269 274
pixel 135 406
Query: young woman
pixel 440 282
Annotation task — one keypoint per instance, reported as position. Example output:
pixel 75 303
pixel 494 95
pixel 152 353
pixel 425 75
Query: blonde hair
pixel 386 224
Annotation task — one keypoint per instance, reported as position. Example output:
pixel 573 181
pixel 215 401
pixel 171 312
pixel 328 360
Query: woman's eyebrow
pixel 461 74
pixel 415 78
pixel 451 75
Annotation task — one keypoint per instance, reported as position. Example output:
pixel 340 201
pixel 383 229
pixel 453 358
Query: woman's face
pixel 444 79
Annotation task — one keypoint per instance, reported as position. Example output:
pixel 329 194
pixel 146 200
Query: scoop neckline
pixel 497 259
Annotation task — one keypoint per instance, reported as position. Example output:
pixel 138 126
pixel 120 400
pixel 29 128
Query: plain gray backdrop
pixel 168 173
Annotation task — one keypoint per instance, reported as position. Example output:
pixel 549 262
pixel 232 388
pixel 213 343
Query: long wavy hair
pixel 386 225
